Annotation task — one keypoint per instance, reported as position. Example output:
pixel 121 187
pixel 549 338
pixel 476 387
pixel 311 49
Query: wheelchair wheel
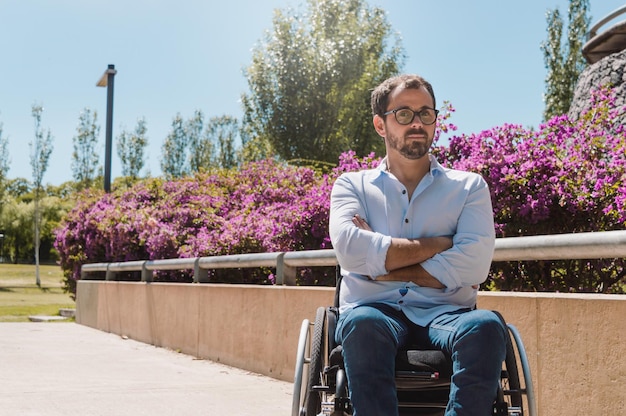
pixel 514 397
pixel 527 390
pixel 513 387
pixel 299 393
pixel 312 400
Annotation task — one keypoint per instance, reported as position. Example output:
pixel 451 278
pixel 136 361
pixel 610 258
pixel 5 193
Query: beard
pixel 411 149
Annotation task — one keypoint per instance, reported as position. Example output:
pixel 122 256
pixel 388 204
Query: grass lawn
pixel 20 297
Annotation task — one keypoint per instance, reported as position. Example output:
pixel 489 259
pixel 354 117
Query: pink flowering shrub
pixel 264 207
pixel 567 176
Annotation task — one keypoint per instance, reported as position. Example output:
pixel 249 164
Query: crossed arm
pixel 405 255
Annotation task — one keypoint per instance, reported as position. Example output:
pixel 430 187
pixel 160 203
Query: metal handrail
pixel 594 29
pixel 589 245
pixel 595 245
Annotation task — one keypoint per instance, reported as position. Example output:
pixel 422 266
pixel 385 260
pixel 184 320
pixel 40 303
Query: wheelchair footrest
pixel 323 389
pixel 418 375
pixel 414 380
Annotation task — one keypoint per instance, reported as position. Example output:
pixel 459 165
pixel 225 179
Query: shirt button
pixel 400 302
pixel 403 191
pixel 406 220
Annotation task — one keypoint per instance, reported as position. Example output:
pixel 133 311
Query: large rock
pixel 609 70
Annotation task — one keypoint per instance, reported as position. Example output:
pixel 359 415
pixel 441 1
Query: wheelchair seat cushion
pixel 424 360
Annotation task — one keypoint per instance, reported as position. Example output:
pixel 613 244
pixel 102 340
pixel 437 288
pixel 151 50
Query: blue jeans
pixel 372 334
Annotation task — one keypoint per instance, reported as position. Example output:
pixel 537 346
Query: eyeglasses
pixel 404 116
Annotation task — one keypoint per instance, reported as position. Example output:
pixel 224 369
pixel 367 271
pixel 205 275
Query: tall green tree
pixel 18 187
pixel 564 61
pixel 4 169
pixel 201 149
pixel 253 147
pixel 17 223
pixel 174 151
pixel 223 132
pixel 4 166
pixel 310 80
pixel 40 150
pixel 85 157
pixel 130 149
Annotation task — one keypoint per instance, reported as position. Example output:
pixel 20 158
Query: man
pixel 414 241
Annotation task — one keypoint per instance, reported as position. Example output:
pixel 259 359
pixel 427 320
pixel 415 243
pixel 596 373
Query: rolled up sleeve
pixel 467 263
pixel 358 251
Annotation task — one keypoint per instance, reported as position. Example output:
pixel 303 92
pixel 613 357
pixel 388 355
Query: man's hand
pixel 361 223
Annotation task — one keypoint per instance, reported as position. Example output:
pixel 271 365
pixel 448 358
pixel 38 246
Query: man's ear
pixel 379 125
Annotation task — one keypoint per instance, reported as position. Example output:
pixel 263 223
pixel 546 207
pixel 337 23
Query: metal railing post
pixel 200 275
pixel 280 269
pixel 146 275
pixel 110 274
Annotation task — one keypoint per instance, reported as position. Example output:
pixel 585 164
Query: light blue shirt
pixel 445 203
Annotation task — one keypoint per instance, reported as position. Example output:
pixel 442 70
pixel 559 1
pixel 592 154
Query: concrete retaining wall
pixel 575 343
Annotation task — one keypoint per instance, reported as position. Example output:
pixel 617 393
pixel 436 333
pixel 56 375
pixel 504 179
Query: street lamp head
pixel 103 81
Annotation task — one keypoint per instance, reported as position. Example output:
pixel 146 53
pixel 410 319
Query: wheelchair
pixel 422 376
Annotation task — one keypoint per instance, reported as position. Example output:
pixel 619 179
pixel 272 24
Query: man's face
pixel 412 140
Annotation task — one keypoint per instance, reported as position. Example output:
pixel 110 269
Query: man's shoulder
pixel 462 176
pixel 457 173
pixel 364 174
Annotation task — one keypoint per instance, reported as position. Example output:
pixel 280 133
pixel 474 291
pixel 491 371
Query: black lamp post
pixel 107 81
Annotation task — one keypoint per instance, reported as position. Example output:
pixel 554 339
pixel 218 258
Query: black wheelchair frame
pixel 422 376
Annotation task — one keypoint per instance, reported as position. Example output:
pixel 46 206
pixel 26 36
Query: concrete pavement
pixel 69 369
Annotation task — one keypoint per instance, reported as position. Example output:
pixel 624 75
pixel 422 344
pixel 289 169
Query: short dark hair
pixel 380 95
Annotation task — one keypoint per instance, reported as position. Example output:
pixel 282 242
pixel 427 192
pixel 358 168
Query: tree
pixel 201 149
pixel 223 131
pixel 564 62
pixel 130 149
pixel 16 221
pixel 85 157
pixel 253 147
pixel 18 187
pixel 40 150
pixel 190 147
pixel 310 80
pixel 4 167
pixel 174 156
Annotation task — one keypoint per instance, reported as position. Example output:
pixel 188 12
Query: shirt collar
pixel 435 167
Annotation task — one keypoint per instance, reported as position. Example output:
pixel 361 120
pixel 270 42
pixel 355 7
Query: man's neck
pixel 408 172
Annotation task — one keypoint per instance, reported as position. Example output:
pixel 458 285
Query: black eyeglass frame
pixel 415 113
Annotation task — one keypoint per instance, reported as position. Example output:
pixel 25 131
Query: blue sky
pixel 178 56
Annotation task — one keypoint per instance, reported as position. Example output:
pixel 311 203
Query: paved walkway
pixel 69 369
